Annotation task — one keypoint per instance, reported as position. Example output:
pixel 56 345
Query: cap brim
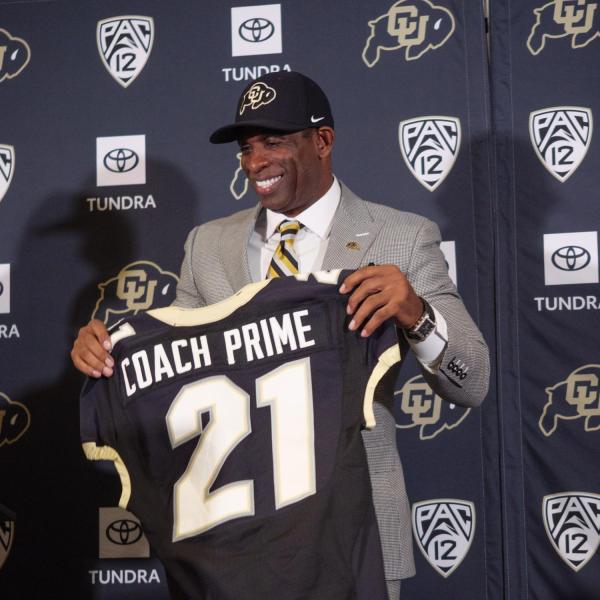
pixel 230 133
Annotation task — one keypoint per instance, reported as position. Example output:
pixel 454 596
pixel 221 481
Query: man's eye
pixel 273 142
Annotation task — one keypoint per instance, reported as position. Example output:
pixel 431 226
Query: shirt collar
pixel 318 217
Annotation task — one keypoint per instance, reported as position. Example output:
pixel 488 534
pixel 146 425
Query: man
pixel 307 220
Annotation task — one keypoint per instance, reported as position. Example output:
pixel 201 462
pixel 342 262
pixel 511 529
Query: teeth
pixel 267 182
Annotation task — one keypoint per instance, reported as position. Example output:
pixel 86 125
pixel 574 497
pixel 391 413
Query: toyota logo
pixel 124 532
pixel 256 30
pixel 121 160
pixel 571 258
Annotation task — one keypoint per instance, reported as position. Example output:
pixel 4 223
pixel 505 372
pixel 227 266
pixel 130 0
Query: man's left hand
pixel 379 293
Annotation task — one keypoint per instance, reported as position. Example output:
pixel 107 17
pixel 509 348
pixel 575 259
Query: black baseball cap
pixel 282 101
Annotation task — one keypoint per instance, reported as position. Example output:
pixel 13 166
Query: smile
pixel 266 184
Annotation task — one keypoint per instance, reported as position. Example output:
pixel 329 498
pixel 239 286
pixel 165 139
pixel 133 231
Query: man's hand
pixel 380 293
pixel 90 353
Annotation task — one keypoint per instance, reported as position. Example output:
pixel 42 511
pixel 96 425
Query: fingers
pixel 371 314
pixel 90 350
pixel 379 293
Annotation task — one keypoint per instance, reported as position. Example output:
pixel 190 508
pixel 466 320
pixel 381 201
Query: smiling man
pixel 307 220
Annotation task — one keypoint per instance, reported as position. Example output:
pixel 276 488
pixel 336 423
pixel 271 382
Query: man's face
pixel 288 171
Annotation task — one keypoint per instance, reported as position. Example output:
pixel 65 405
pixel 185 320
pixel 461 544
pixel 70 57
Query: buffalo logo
pixel 571 258
pixel 572 524
pixel 415 25
pixel 258 95
pixel 577 19
pixel 14 55
pixel 561 137
pixel 124 532
pixel 15 419
pixel 124 44
pixel 429 146
pixel 256 30
pixel 7 168
pixel 7 533
pixel 239 183
pixel 420 407
pixel 121 160
pixel 444 530
pixel 576 398
pixel 138 286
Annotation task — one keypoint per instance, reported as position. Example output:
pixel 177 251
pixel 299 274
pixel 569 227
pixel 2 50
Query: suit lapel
pixel 353 232
pixel 234 250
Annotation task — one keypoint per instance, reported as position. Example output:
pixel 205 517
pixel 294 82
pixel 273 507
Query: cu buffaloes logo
pixel 429 146
pixel 258 95
pixel 578 397
pixel 14 55
pixel 7 168
pixel 420 407
pixel 138 286
pixel 572 524
pixel 444 530
pixel 577 19
pixel 124 44
pixel 15 419
pixel 561 137
pixel 239 183
pixel 414 26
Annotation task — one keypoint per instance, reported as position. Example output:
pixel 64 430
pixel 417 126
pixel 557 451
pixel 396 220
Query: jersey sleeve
pixel 385 351
pixel 97 430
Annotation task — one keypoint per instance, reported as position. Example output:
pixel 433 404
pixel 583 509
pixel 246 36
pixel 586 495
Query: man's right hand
pixel 90 353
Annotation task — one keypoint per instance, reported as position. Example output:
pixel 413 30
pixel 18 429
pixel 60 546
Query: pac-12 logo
pixel 577 19
pixel 15 419
pixel 14 55
pixel 139 286
pixel 420 407
pixel 429 146
pixel 124 44
pixel 7 168
pixel 444 530
pixel 578 397
pixel 561 137
pixel 7 533
pixel 413 25
pixel 572 524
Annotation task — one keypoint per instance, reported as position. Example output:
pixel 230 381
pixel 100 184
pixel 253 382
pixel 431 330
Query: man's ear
pixel 324 139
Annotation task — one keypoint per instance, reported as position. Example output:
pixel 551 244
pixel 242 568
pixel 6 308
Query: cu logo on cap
pixel 121 160
pixel 571 258
pixel 256 30
pixel 124 532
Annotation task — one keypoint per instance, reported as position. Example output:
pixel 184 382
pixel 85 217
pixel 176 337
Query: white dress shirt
pixel 310 246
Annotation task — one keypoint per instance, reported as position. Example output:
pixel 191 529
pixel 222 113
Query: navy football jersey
pixel 235 429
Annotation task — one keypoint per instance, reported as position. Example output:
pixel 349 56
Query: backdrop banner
pixel 105 166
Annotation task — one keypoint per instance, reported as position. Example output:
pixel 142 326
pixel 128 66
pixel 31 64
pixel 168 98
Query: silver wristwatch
pixel 424 326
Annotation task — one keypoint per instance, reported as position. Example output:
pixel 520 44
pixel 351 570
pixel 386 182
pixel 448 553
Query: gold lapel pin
pixel 353 246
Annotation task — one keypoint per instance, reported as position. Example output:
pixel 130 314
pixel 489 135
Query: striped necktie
pixel 285 261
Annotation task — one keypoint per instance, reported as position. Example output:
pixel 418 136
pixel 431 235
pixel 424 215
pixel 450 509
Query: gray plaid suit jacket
pixel 216 266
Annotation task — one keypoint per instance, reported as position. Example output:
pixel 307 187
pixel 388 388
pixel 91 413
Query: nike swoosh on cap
pixel 314 119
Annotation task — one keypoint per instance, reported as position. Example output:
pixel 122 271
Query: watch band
pixel 424 326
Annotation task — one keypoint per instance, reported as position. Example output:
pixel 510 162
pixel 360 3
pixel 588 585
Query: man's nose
pixel 256 160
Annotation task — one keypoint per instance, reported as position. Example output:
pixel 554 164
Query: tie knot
pixel 289 228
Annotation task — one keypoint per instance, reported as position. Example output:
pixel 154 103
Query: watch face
pixel 426 327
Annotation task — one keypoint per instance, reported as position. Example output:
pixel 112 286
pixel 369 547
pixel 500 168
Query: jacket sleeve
pixel 462 376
